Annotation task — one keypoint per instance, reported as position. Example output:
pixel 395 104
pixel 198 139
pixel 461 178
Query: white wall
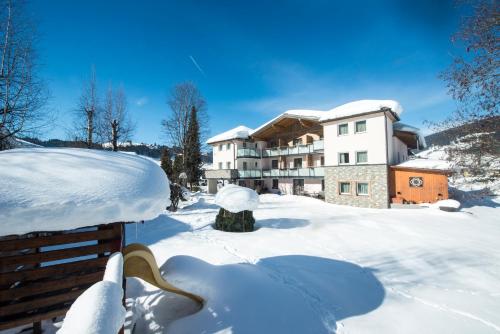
pixel 224 156
pixel 373 140
pixel 400 151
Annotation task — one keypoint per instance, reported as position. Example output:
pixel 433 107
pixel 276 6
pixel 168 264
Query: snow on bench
pixel 99 310
pixel 47 189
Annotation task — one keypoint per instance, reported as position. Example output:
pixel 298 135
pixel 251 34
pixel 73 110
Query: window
pixel 343 129
pixel 345 188
pixel 343 158
pixel 297 163
pixel 244 144
pixel 220 165
pixel 322 161
pixel 220 147
pixel 274 164
pixel 228 146
pixel 275 183
pixel 244 165
pixel 361 157
pixel 297 141
pixel 360 126
pixel 242 183
pixel 323 185
pixel 256 164
pixel 228 165
pixel 256 145
pixel 362 188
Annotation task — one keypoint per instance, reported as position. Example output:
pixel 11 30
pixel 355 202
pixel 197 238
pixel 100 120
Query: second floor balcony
pixel 248 153
pixel 294 172
pixel 316 146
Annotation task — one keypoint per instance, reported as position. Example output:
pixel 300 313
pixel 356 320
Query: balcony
pixel 249 174
pixel 248 153
pixel 316 146
pixel 294 172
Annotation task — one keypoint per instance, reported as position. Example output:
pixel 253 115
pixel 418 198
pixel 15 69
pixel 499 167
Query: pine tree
pixel 192 160
pixel 177 168
pixel 166 163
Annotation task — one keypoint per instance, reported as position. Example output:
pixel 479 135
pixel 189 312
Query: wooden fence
pixel 41 274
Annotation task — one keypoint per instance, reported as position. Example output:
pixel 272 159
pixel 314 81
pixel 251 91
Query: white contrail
pixel 197 66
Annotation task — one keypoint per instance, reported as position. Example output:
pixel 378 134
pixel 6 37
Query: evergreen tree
pixel 166 163
pixel 192 160
pixel 177 168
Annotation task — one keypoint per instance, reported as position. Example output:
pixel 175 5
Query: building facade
pixel 342 155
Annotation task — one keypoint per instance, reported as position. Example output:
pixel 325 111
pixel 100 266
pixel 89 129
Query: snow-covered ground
pixel 313 267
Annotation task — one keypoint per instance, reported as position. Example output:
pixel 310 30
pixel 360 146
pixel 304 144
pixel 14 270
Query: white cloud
pixel 140 102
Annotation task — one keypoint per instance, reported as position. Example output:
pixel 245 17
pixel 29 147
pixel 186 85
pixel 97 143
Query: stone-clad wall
pixel 375 175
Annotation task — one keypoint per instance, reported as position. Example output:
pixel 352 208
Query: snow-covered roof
pixel 235 199
pixel 361 107
pixel 398 126
pixel 295 113
pixel 239 132
pixel 426 164
pixel 49 189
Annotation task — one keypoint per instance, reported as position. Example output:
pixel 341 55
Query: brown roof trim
pixel 427 170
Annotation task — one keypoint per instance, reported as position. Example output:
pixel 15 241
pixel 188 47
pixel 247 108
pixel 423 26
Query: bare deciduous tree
pixel 87 112
pixel 22 92
pixel 472 80
pixel 183 98
pixel 115 123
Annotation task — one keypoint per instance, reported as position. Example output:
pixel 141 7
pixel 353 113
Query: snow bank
pixel 114 268
pixel 99 310
pixel 235 199
pixel 398 126
pixel 60 189
pixel 447 203
pixel 239 132
pixel 360 107
pixel 426 164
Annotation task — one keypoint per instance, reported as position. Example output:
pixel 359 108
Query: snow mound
pixel 239 132
pixel 98 310
pixel 235 199
pixel 448 203
pixel 60 189
pixel 360 107
pixel 426 164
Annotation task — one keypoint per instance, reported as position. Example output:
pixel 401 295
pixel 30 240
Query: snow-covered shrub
pixel 234 222
pixel 237 204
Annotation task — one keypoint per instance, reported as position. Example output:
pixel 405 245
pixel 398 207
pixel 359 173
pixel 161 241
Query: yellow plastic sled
pixel 139 261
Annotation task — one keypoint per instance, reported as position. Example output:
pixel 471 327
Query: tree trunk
pixel 114 135
pixel 90 129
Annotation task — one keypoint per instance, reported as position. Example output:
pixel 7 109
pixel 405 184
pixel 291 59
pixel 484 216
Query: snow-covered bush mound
pixel 235 199
pixel 99 310
pixel 46 189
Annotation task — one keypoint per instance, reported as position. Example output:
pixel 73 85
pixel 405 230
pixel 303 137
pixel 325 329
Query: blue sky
pixel 251 59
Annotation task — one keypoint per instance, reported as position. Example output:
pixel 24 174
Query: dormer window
pixel 360 126
pixel 343 129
